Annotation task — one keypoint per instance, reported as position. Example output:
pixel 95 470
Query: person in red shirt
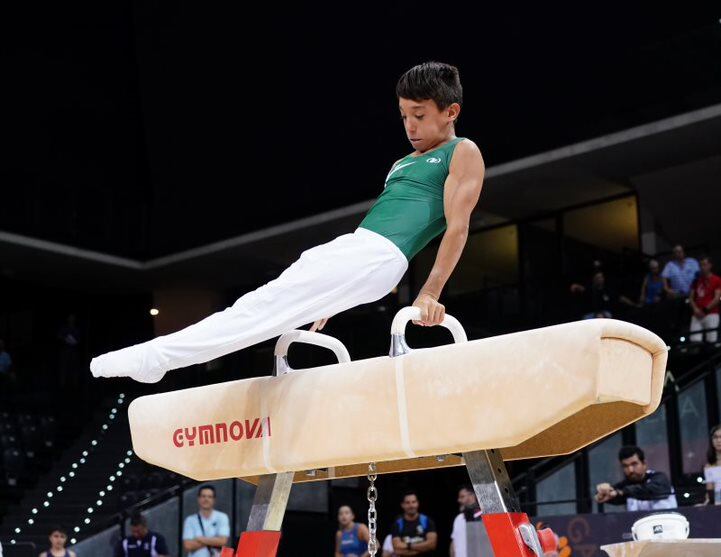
pixel 704 300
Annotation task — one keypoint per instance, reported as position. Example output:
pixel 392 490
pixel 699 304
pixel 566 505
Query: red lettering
pixel 205 433
pixel 236 436
pixel 267 421
pixel 219 433
pixel 250 431
pixel 190 435
pixel 221 428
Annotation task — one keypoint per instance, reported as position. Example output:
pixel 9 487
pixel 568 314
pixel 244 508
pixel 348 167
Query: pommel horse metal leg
pixel 509 530
pixel 262 536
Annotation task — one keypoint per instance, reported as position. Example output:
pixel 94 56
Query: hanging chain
pixel 372 497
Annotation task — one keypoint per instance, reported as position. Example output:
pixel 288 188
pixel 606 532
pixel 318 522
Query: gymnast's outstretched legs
pixel 353 269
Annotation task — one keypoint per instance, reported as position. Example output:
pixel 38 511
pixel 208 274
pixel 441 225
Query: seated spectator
pixel 704 300
pixel 58 538
pixel 206 532
pixel 351 539
pixel 6 362
pixel 600 300
pixel 413 533
pixel 387 547
pixel 714 459
pixel 141 542
pixel 642 489
pixel 654 285
pixel 680 272
pixel 469 512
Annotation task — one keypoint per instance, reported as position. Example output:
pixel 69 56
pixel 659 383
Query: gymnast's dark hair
pixel 431 80
pixel 711 454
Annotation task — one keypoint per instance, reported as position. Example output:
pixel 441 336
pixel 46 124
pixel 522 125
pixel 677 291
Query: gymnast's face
pixel 426 125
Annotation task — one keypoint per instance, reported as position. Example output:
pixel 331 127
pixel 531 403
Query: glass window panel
pixel 603 467
pixel 559 486
pixel 652 437
pixel 612 225
pixel 489 259
pixel 101 544
pixel 694 427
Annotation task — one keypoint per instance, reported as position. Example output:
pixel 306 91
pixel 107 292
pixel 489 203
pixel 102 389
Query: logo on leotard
pixel 433 160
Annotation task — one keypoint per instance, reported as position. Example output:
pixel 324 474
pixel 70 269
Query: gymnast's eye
pixel 420 116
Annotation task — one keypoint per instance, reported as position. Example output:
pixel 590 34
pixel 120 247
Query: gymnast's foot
pixel 130 362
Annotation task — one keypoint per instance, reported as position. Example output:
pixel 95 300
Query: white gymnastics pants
pixel 353 269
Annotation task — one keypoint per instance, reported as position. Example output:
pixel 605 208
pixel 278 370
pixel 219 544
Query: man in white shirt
pixel 206 532
pixel 469 510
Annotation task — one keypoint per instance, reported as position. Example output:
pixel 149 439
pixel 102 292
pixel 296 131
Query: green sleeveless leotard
pixel 409 212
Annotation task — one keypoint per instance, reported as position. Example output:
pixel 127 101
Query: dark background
pixel 146 127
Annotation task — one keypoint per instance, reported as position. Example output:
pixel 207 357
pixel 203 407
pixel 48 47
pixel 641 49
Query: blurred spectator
pixel 704 300
pixel 388 547
pixel 642 489
pixel 69 352
pixel 654 285
pixel 1 550
pixel 141 542
pixel 6 362
pixel 206 532
pixel 7 377
pixel 469 512
pixel 58 538
pixel 680 273
pixel 714 461
pixel 599 299
pixel 413 533
pixel 351 539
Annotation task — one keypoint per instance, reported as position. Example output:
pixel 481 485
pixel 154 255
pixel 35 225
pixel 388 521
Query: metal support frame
pixel 270 501
pixel 266 516
pixel 509 530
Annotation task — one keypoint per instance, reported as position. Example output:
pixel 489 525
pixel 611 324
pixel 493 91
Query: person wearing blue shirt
pixel 207 531
pixel 141 542
pixel 680 272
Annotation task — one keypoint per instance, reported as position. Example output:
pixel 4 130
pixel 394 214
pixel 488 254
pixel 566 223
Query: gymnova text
pixel 222 433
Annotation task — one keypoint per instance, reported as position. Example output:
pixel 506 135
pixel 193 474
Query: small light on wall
pixel 154 312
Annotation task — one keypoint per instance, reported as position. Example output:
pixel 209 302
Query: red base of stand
pixel 256 544
pixel 506 540
pixel 502 531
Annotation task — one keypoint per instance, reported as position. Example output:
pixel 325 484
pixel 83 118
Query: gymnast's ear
pixel 453 111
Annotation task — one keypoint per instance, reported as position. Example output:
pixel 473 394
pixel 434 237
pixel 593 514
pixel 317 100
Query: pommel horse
pixel 537 393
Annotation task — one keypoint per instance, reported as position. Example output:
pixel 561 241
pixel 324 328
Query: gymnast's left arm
pixel 460 195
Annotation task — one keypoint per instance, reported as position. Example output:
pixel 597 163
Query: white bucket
pixel 662 526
